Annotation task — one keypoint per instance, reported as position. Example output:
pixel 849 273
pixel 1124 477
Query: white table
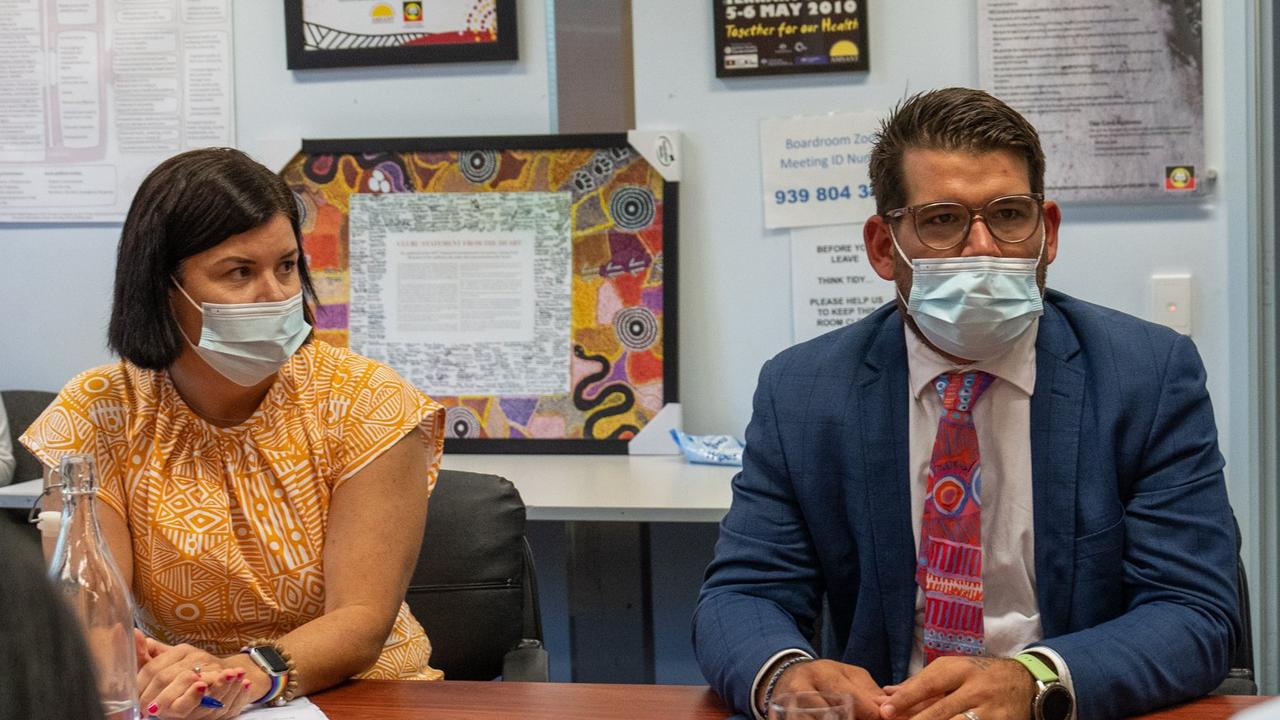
pixel 20 495
pixel 625 488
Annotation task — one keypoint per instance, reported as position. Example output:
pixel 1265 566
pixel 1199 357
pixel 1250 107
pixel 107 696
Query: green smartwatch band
pixel 1037 668
pixel 1053 701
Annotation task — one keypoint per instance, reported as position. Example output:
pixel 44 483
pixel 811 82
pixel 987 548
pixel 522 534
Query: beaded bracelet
pixel 776 676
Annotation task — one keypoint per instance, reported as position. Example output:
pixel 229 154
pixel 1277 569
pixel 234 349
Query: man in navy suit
pixel 1011 500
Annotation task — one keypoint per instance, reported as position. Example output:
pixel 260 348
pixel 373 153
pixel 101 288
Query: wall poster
pixel 342 33
pixel 1116 91
pixel 95 93
pixel 772 37
pixel 832 281
pixel 526 283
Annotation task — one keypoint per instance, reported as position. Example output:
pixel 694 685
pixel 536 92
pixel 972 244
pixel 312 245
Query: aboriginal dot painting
pixel 621 224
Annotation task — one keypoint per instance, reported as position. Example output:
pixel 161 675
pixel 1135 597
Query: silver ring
pixel 196 669
pixel 971 715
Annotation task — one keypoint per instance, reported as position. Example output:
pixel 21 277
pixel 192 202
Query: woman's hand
pixel 174 680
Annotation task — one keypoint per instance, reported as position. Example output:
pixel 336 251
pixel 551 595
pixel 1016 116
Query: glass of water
pixel 811 706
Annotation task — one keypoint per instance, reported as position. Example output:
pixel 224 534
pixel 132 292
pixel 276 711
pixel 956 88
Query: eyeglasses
pixel 943 225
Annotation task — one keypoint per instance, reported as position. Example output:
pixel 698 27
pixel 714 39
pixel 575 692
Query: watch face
pixel 1054 703
pixel 271 659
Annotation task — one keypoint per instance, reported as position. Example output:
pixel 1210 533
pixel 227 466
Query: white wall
pixel 734 277
pixel 61 276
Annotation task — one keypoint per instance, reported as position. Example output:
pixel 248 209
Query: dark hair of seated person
pixel 189 203
pixel 45 671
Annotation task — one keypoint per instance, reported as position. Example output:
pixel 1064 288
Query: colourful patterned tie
pixel 949 566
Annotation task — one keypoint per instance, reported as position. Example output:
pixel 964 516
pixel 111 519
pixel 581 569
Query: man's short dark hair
pixel 948 119
pixel 188 204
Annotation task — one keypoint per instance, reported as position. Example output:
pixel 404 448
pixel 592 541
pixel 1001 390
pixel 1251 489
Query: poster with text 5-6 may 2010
pixel 769 37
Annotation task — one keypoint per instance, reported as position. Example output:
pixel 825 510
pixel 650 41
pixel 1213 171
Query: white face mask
pixel 248 342
pixel 974 307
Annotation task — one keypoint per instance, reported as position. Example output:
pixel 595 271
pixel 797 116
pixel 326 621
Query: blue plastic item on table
pixel 709 449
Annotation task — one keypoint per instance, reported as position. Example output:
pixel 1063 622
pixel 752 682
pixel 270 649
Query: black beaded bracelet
pixel 776 676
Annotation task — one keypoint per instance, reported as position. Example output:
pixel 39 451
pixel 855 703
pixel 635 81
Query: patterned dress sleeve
pixel 89 416
pixel 380 408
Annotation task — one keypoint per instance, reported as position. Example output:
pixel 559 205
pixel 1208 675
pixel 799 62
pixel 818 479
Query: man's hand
pixel 993 688
pixel 831 676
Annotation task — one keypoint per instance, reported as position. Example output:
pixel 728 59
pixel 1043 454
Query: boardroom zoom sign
pixel 769 37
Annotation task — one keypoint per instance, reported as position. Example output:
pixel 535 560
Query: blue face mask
pixel 248 342
pixel 974 307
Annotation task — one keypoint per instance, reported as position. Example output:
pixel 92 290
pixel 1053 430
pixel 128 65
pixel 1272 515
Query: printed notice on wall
pixel 464 293
pixel 814 169
pixel 832 283
pixel 774 37
pixel 1114 89
pixel 95 93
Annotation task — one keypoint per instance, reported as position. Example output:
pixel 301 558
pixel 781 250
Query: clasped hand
pixel 172 680
pixel 993 688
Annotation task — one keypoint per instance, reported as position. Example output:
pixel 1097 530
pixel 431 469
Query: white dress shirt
pixel 7 461
pixel 1002 419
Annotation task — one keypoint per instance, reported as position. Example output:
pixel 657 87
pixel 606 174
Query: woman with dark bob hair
pixel 264 492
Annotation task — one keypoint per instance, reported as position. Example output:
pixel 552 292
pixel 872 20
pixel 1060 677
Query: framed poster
pixel 528 284
pixel 343 33
pixel 1124 125
pixel 772 37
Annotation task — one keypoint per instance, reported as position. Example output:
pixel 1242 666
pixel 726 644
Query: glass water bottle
pixel 94 589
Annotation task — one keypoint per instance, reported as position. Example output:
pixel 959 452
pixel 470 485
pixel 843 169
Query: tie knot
pixel 959 391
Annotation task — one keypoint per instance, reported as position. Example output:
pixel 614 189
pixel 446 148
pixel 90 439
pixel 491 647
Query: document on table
pixel 297 709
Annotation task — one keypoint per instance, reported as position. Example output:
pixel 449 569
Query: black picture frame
pixel 670 268
pixel 300 57
pixel 764 54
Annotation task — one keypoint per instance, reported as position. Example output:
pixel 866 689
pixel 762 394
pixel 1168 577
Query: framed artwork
pixel 787 38
pixel 343 33
pixel 526 283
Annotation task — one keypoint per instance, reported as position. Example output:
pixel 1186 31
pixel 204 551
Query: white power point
pixel 1171 301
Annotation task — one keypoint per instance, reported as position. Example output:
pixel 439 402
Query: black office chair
pixel 474 589
pixel 1240 679
pixel 23 407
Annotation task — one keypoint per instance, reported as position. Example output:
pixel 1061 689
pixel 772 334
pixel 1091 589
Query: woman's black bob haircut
pixel 188 204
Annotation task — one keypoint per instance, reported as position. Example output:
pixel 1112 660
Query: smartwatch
pixel 1053 701
pixel 274 665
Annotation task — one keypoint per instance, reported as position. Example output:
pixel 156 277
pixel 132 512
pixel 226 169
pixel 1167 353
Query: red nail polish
pixel 201 687
pixel 153 708
pixel 247 684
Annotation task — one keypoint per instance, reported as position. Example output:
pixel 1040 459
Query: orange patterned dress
pixel 228 524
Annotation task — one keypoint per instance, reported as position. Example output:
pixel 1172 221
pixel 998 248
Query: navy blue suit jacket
pixel 1134 539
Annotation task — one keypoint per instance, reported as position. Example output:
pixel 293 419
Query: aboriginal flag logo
pixel 1180 178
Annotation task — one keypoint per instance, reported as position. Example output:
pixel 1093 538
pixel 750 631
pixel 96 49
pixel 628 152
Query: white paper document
pixel 814 169
pixel 464 293
pixel 1116 91
pixel 832 283
pixel 297 709
pixel 97 92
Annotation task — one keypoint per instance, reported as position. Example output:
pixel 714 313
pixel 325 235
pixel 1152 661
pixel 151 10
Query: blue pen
pixel 210 702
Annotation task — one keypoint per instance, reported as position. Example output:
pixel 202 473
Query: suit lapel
pixel 1056 408
pixel 878 408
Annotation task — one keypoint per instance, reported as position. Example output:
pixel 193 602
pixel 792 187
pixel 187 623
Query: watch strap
pixel 1037 667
